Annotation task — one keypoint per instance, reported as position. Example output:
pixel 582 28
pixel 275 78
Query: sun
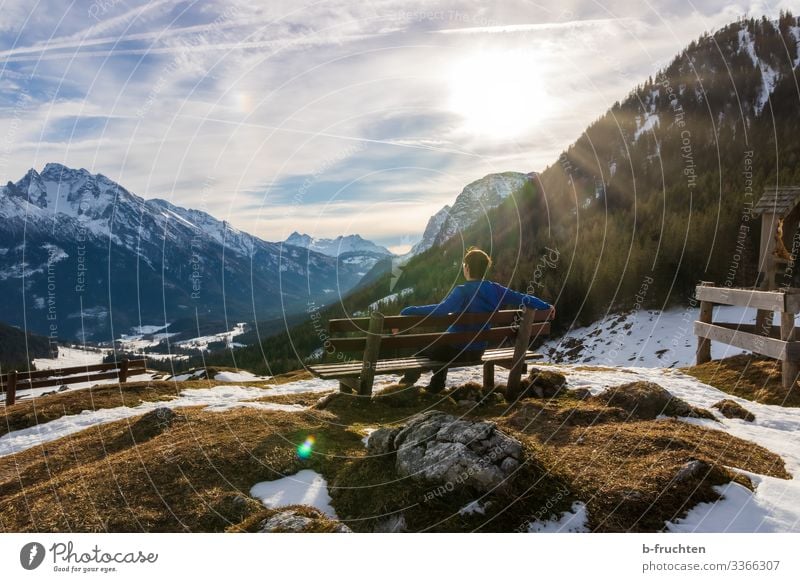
pixel 498 94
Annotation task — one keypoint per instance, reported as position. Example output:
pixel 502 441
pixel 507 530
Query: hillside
pixel 18 349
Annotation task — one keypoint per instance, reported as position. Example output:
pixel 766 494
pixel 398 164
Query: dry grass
pixel 183 479
pixel 752 377
pixel 196 474
pixel 625 471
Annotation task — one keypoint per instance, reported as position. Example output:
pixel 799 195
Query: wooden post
pixel 123 371
pixel 11 389
pixel 520 348
pixel 371 352
pixel 488 376
pixel 789 367
pixel 704 344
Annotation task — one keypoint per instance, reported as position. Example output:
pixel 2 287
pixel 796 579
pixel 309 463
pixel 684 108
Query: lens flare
pixel 304 450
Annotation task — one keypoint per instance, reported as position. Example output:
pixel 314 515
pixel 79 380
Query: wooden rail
pixel 763 338
pixel 15 381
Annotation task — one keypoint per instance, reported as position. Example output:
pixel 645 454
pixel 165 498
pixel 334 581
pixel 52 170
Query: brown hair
pixel 478 262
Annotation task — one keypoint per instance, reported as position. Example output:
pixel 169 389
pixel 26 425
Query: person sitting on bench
pixel 477 295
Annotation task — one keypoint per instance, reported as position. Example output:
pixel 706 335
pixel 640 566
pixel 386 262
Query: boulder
pixel 293 521
pixel 732 409
pixel 439 448
pixel 381 441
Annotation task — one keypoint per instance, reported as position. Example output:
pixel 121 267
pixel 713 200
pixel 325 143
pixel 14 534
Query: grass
pixel 30 412
pixel 754 378
pixel 624 470
pixel 196 474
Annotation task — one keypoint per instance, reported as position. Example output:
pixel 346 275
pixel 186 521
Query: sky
pixel 329 117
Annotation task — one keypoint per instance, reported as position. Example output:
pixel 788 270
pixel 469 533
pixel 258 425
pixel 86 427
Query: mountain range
pixel 82 257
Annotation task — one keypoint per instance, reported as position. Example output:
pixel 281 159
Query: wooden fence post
pixel 123 371
pixel 520 349
pixel 704 344
pixel 371 352
pixel 11 389
pixel 488 376
pixel 789 368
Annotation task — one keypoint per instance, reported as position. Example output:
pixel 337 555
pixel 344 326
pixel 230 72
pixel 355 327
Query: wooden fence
pixel 778 342
pixel 14 381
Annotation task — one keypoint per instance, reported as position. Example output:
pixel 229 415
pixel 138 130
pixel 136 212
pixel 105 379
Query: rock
pixel 439 448
pixel 692 470
pixel 292 521
pixel 63 388
pixel 545 383
pixel 732 409
pixel 381 441
pixel 154 423
pixel 647 400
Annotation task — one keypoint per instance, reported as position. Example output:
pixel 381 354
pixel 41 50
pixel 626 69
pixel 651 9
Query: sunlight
pixel 499 94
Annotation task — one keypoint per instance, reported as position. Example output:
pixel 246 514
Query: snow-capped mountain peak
pixel 334 247
pixel 475 200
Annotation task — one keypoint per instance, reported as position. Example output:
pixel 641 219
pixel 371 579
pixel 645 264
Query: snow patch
pixel 574 521
pixel 650 123
pixel 306 487
pixel 240 376
pixel 215 399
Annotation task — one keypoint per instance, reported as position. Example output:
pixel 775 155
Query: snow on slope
pixel 642 338
pixel 69 357
pixel 769 76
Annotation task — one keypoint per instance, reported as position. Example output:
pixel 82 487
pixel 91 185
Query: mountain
pixel 654 196
pixel 334 247
pixel 471 205
pixel 358 254
pixel 81 256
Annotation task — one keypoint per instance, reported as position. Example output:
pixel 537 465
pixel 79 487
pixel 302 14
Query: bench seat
pixel 499 356
pixel 378 343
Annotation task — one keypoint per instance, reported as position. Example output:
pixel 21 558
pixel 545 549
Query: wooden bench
pixel 14 381
pixel 380 339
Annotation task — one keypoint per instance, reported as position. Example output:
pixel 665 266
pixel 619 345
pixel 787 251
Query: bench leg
pixel 488 376
pixel 348 385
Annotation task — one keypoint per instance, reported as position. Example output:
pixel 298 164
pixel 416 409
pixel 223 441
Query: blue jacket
pixel 476 297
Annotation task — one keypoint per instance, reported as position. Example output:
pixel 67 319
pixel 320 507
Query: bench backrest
pixel 415 333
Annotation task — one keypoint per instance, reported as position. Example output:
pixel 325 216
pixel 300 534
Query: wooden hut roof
pixel 778 201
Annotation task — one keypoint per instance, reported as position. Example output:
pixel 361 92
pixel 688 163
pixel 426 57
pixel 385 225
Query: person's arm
pixel 511 297
pixel 451 304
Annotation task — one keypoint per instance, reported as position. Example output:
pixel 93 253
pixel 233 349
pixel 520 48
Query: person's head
pixel 476 264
